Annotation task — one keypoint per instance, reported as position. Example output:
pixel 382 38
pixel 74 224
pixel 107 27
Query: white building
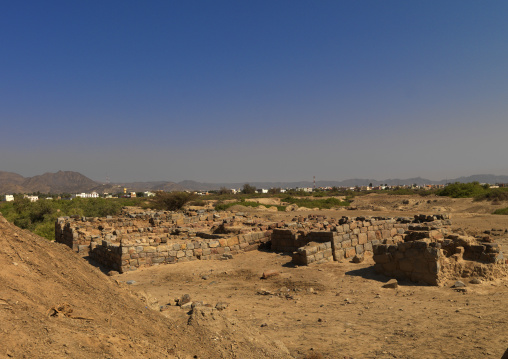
pixel 88 195
pixel 9 198
pixel 31 198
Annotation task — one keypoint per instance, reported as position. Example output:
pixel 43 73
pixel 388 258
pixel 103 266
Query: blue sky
pixel 237 91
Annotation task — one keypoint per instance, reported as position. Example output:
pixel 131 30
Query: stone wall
pixel 139 238
pixel 431 257
pixel 344 238
pixel 130 256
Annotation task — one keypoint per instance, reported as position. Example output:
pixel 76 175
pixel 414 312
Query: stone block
pixel 213 244
pixel 382 258
pixel 354 241
pixel 232 241
pixel 349 252
pixel 406 265
pixel 420 265
pixel 362 238
pixel 389 268
pixel 434 267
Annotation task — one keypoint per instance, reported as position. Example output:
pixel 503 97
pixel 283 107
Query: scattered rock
pixel 264 292
pixel 476 281
pixel 458 284
pixel 221 305
pixel 270 273
pixel 184 300
pixel 392 283
pixel 131 282
pixel 359 258
pixel 112 273
pixel 196 304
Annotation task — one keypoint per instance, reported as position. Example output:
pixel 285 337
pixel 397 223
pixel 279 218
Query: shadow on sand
pixel 370 274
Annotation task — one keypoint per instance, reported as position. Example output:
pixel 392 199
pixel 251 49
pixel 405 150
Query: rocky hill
pixel 53 304
pixel 74 182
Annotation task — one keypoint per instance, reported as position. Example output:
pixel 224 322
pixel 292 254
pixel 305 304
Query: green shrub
pixel 39 217
pixel 463 190
pixel 495 194
pixel 501 211
pixel 171 201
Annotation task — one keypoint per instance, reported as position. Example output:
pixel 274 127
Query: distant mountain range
pixel 75 182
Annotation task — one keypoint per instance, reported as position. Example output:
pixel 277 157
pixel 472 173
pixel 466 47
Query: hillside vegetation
pixel 39 217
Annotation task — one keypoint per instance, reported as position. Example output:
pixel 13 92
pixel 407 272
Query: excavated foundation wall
pixel 426 257
pixel 150 238
pixel 349 237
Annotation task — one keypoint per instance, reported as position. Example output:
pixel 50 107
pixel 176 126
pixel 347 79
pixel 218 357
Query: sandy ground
pixel 334 310
pixel 340 310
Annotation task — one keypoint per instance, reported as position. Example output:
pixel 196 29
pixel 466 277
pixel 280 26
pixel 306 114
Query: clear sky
pixel 234 91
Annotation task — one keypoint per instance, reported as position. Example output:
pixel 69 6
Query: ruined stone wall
pixel 79 232
pixel 416 260
pixel 343 239
pixel 151 238
pixel 130 256
pixel 432 256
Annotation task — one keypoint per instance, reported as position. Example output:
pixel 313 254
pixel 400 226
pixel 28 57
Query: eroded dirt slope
pixel 53 304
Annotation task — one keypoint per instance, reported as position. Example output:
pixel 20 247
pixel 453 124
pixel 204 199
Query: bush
pixel 463 190
pixel 496 194
pixel 248 189
pixel 171 201
pixel 39 217
pixel 501 211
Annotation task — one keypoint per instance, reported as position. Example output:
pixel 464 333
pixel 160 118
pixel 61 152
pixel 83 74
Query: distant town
pixel 126 193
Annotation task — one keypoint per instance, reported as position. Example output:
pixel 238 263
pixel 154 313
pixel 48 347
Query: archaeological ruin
pixel 422 249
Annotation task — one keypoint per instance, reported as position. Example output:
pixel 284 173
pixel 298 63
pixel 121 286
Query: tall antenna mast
pixel 314 182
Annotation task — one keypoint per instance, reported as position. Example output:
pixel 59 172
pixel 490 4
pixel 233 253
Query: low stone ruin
pixel 140 238
pixel 422 249
pixel 430 257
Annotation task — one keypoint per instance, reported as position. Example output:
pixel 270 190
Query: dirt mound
pixel 53 304
pixel 247 340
